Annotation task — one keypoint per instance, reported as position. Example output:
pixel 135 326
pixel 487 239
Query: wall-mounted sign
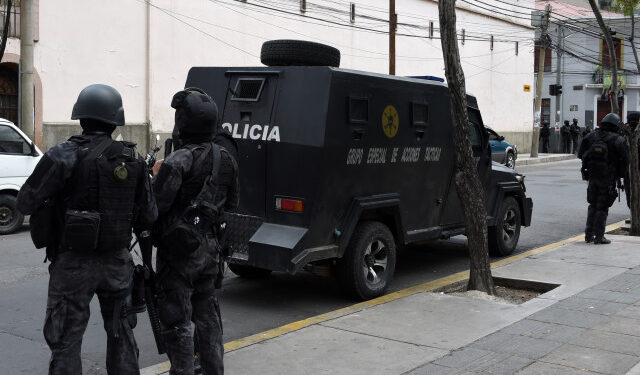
pixel 573 108
pixel 527 88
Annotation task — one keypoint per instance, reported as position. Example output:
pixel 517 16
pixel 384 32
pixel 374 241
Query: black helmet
pixel 196 112
pixel 575 120
pixel 566 122
pixel 611 119
pixel 99 102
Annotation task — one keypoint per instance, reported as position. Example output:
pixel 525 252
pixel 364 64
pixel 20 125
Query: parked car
pixel 502 151
pixel 341 167
pixel 18 157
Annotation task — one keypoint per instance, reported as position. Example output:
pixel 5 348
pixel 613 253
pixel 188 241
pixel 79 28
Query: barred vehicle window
pixel 12 143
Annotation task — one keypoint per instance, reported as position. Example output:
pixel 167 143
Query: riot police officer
pixel 565 136
pixel 544 137
pixel 99 190
pixel 187 277
pixel 604 157
pixel 575 133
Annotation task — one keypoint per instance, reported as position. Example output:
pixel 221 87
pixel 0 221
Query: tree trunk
pixel 5 31
pixel 469 188
pixel 631 40
pixel 633 138
pixel 613 61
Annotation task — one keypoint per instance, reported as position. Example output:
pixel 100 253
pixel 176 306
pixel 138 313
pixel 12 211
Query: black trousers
pixel 545 145
pixel 574 144
pixel 187 294
pixel 566 144
pixel 74 279
pixel 600 196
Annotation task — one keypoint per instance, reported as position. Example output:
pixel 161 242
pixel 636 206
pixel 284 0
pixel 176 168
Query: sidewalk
pixel 589 324
pixel 525 159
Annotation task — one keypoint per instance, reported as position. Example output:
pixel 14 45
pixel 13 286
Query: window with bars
pixel 14 18
pixel 605 59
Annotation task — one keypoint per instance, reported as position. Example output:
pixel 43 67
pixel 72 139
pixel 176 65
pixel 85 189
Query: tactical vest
pixel 107 185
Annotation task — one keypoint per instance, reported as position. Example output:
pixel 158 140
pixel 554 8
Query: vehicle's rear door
pixel 247 115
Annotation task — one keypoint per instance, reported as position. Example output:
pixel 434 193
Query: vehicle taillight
pixel 288 204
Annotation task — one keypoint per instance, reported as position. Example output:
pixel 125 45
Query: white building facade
pixel 146 48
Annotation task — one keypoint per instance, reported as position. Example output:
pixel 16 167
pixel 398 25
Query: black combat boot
pixel 601 241
pixel 588 238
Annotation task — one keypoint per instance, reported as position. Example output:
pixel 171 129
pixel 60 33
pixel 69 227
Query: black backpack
pixel 187 232
pixel 596 158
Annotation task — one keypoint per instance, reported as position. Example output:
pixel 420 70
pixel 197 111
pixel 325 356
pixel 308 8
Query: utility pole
pixel 26 67
pixel 393 21
pixel 538 113
pixel 559 73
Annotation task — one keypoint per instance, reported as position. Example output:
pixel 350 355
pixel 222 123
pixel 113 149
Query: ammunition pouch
pixel 42 224
pixel 183 234
pixel 81 230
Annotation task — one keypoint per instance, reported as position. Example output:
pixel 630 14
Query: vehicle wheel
pixel 249 272
pixel 367 267
pixel 503 238
pixel 10 217
pixel 284 52
pixel 511 160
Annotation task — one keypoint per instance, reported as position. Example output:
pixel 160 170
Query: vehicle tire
pixel 249 272
pixel 503 237
pixel 284 52
pixel 10 217
pixel 510 160
pixel 366 269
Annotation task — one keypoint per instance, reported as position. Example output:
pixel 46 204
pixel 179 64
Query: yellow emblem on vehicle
pixel 120 172
pixel 390 121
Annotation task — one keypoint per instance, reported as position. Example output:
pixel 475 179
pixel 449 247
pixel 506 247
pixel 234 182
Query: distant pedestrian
pixel 605 159
pixel 575 133
pixel 565 136
pixel 544 137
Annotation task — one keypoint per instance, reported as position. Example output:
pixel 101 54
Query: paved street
pixel 249 307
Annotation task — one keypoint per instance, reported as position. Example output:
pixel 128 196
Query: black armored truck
pixel 340 168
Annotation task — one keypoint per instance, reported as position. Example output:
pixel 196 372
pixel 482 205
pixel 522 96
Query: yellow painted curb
pixel 421 288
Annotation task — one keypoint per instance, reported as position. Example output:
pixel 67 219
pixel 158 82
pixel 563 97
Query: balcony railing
pixel 14 18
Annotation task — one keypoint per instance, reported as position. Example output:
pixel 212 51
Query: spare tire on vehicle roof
pixel 285 52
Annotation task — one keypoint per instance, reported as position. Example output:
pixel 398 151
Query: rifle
pixel 150 291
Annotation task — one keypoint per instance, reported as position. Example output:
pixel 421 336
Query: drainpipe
pixel 26 68
pixel 147 71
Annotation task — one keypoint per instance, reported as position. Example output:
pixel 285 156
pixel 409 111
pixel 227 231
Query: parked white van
pixel 18 157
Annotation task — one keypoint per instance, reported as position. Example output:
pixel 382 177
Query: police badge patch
pixel 120 172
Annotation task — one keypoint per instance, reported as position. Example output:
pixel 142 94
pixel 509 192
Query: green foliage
pixel 626 7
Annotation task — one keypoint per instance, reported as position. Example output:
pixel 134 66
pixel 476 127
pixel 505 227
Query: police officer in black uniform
pixel 545 132
pixel 575 133
pixel 100 190
pixel 565 136
pixel 605 157
pixel 187 280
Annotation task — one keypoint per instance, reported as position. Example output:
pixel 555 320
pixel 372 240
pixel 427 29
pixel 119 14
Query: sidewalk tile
pixel 573 318
pixel 634 271
pixel 431 369
pixel 625 283
pixel 591 359
pixel 632 311
pixel 522 346
pixel 462 358
pixel 543 368
pixel 611 296
pixel 543 330
pixel 594 306
pixel 620 324
pixel 507 366
pixel 613 342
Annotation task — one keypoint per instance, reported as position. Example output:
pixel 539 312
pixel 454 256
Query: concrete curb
pixel 548 158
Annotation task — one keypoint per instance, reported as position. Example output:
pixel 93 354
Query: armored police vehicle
pixel 341 167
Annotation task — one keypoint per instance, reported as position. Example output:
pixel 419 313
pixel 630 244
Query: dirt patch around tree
pixel 509 291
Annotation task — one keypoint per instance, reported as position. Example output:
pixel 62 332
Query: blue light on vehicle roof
pixel 430 78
